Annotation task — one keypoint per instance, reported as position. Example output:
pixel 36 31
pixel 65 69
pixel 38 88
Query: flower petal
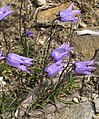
pixel 70 7
pixel 3 15
pixel 76 12
pixel 87 72
pixel 0 53
pixel 90 62
pixel 22 67
pixel 54 68
pixel 4 8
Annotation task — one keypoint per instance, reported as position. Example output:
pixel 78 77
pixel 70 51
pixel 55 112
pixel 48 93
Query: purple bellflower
pixel 68 15
pixel 1 57
pixel 28 33
pixel 84 67
pixel 54 68
pixel 61 52
pixel 4 12
pixel 18 61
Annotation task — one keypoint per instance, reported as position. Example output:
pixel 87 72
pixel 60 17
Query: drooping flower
pixel 28 33
pixel 68 15
pixel 84 67
pixel 1 57
pixel 4 12
pixel 54 68
pixel 18 61
pixel 61 52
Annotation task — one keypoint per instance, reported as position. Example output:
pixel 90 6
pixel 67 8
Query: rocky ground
pixel 83 103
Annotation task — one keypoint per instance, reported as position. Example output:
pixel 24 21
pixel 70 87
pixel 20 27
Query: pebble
pixel 41 2
pixel 96 117
pixel 95 96
pixel 96 102
pixel 76 100
pixel 83 99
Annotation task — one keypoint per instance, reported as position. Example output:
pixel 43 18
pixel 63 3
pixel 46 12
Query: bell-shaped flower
pixel 61 52
pixel 1 57
pixel 28 33
pixel 4 12
pixel 54 68
pixel 18 61
pixel 68 15
pixel 84 67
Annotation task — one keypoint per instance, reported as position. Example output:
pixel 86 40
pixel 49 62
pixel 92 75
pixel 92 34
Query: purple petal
pixel 82 64
pixel 4 8
pixel 54 68
pixel 3 15
pixel 65 17
pixel 60 50
pixel 76 12
pixel 26 58
pixel 86 72
pixel 69 18
pixel 90 68
pixel 58 55
pixel 59 62
pixel 82 69
pixel 2 58
pixel 0 53
pixel 64 45
pixel 18 57
pixel 18 61
pixel 12 62
pixel 26 61
pixel 70 48
pixel 90 62
pixel 14 59
pixel 22 67
pixel 70 7
pixel 28 33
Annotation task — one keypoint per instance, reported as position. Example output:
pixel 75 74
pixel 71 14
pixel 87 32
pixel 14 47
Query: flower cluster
pixel 58 54
pixel 62 52
pixel 17 61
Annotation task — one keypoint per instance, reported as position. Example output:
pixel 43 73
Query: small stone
pixel 96 117
pixel 76 100
pixel 83 99
pixel 94 96
pixel 41 2
pixel 96 102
